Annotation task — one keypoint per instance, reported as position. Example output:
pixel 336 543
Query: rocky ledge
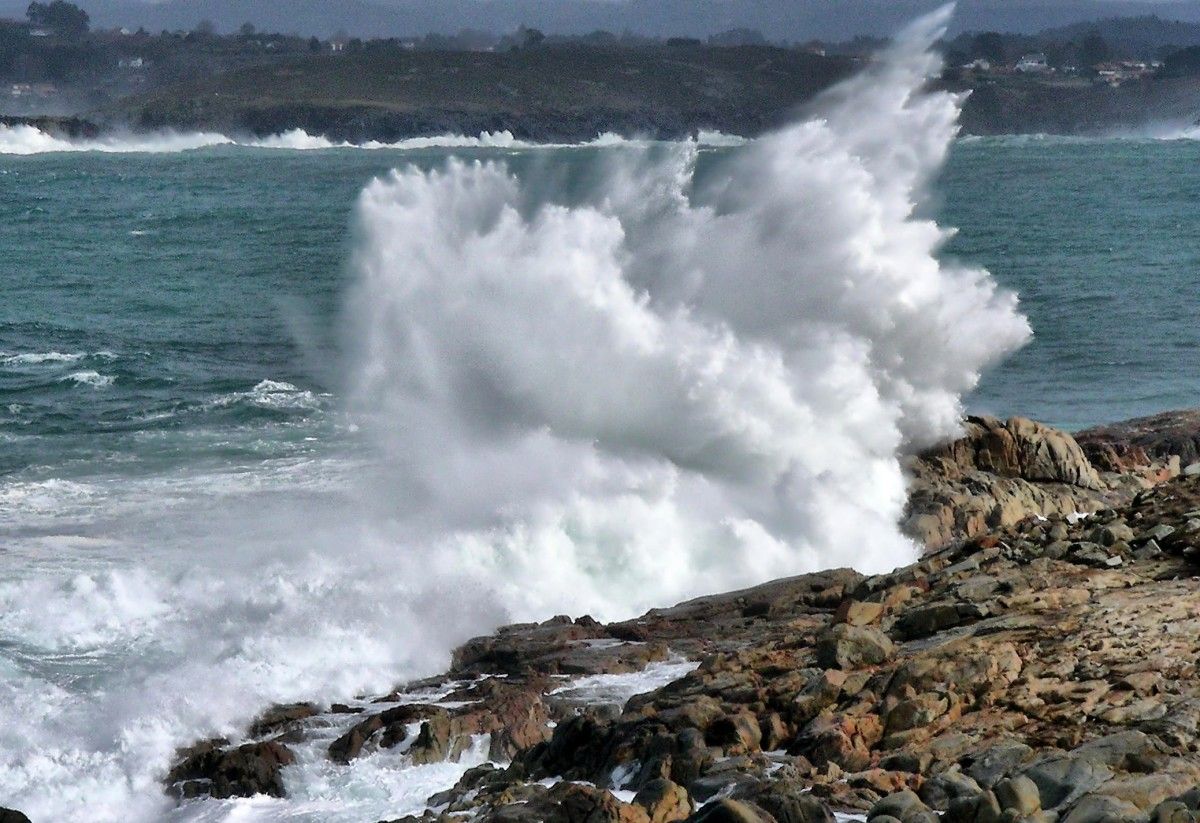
pixel 1037 665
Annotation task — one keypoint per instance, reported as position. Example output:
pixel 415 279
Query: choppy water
pixel 1100 239
pixel 195 519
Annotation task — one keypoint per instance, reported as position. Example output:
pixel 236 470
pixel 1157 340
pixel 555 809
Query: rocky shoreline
pixel 1036 665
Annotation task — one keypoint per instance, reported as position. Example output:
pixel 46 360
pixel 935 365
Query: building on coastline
pixel 1033 64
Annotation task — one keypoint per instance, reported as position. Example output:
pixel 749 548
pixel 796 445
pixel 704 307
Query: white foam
pixel 28 140
pixel 91 378
pixel 37 358
pixel 618 688
pixel 273 394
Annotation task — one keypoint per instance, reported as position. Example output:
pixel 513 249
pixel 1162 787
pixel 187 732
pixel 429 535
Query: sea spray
pixel 672 389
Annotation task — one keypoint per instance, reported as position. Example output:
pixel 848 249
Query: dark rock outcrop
pixel 214 768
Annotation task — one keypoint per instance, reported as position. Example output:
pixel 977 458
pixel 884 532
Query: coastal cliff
pixel 1036 664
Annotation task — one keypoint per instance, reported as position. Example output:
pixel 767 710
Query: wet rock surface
pixel 1040 670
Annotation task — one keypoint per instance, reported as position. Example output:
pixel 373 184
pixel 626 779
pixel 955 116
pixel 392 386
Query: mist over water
pixel 599 401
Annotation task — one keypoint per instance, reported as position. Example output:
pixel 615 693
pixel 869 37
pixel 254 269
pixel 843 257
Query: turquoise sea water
pixel 123 338
pixel 178 539
pixel 1101 239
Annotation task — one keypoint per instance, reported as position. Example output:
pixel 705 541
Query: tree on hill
pixel 1094 49
pixel 1183 63
pixel 990 46
pixel 63 18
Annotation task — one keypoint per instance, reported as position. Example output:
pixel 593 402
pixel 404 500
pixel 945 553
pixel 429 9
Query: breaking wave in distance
pixel 29 140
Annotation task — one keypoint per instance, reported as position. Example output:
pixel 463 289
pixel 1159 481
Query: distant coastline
pixel 557 99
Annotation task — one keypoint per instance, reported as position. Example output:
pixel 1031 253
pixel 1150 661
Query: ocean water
pixel 1099 239
pixel 286 420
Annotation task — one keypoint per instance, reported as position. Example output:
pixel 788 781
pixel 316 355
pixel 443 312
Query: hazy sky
pixel 778 19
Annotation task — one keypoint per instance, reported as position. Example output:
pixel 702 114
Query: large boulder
pixel 664 801
pixel 213 768
pixel 997 474
pixel 844 646
pixel 787 800
pixel 731 811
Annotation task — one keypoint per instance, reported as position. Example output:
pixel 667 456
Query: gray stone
pixel 850 647
pixel 1019 794
pixel 1063 780
pixel 997 762
pixel 941 790
pixel 905 806
pixel 1171 811
pixel 1098 808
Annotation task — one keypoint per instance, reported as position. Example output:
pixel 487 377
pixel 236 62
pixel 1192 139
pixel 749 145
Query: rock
pixel 730 811
pixel 1000 679
pixel 998 761
pixel 915 713
pixel 858 612
pixel 1062 780
pixel 557 646
pixel 277 718
pixel 840 739
pixel 12 816
pixel 350 745
pixel 569 802
pixel 849 647
pixel 905 806
pixel 1175 433
pixel 432 744
pixel 1097 808
pixel 996 475
pixel 210 769
pixel 787 801
pixel 736 733
pixel 926 620
pixel 1130 751
pixel 1018 795
pixel 1171 811
pixel 939 791
pixel 664 801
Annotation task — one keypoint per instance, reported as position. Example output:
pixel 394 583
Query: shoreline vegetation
pixel 1037 663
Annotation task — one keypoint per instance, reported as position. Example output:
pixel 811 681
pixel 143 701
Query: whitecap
pixel 272 394
pixel 90 378
pixel 37 358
